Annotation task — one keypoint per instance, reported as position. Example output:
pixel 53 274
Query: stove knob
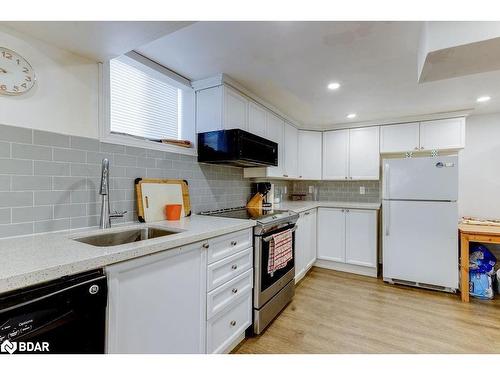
pixel 94 289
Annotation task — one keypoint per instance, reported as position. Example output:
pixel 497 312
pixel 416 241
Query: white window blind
pixel 143 105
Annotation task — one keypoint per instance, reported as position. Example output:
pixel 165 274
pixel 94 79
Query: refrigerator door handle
pixel 387 211
pixel 386 180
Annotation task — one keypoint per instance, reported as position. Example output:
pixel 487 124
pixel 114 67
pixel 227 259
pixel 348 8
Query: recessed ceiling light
pixel 333 86
pixel 351 115
pixel 483 99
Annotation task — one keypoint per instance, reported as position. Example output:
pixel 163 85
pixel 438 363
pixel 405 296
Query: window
pixel 146 102
pixel 143 105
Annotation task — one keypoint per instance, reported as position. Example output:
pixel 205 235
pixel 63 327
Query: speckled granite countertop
pixel 301 206
pixel 38 258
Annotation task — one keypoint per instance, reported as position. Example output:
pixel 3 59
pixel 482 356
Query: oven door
pixel 267 285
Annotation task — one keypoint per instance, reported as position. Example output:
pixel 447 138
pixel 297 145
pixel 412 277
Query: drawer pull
pixel 234 243
pixel 235 290
pixel 206 245
pixel 233 322
pixel 234 266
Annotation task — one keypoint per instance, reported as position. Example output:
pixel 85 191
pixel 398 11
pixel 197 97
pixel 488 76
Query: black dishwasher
pixel 67 315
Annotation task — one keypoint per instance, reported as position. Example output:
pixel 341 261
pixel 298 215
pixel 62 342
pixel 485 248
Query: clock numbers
pixel 7 55
pixel 16 74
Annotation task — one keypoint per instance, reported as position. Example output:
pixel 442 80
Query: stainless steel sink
pixel 127 236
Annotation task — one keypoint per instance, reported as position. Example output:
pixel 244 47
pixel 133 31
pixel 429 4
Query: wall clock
pixel 16 74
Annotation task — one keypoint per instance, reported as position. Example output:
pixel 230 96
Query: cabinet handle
pixel 234 243
pixel 233 322
pixel 307 213
pixel 234 266
pixel 416 147
pixel 345 177
pixel 343 210
pixel 346 210
pixel 285 175
pixel 235 290
pixel 350 178
pixel 206 245
pixel 422 147
pixel 300 176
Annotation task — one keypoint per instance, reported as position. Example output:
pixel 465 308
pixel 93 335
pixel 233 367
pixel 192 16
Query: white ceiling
pixel 96 40
pixel 289 65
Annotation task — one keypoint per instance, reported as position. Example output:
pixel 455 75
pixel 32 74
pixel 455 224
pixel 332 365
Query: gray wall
pixel 50 181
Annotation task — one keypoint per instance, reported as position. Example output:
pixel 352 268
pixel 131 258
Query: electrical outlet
pixel 362 190
pixel 311 189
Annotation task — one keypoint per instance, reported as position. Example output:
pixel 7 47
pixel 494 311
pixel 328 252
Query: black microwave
pixel 236 147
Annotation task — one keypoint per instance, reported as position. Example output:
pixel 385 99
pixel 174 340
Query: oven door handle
pixel 268 238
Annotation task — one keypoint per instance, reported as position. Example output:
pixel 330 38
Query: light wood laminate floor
pixel 336 312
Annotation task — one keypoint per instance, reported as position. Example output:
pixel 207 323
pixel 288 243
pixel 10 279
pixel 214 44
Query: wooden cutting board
pixel 153 194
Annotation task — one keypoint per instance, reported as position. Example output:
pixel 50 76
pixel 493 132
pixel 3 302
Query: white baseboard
pixel 351 268
pixel 234 343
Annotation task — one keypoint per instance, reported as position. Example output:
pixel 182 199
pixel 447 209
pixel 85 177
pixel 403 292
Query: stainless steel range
pixel 271 292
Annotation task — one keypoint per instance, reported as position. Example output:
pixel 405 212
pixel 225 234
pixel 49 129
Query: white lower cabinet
pixel 157 303
pixel 192 299
pixel 347 240
pixel 331 234
pixel 305 243
pixel 225 328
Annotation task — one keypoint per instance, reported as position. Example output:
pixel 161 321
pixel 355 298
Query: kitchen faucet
pixel 104 191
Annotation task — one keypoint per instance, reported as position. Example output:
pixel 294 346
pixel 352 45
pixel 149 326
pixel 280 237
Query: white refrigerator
pixel 419 222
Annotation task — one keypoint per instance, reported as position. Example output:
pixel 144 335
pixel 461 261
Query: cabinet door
pixel 275 132
pixel 399 137
pixel 235 110
pixel 361 237
pixel 310 155
pixel 364 153
pixel 157 303
pixel 209 109
pixel 301 246
pixel 442 134
pixel 331 234
pixel 291 151
pixel 335 154
pixel 311 217
pixel 256 119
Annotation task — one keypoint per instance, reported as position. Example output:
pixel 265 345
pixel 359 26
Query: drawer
pixel 224 328
pixel 223 246
pixel 220 298
pixel 226 269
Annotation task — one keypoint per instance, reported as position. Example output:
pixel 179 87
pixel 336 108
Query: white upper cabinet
pixel 219 108
pixel 257 119
pixel 275 131
pixel 400 137
pixel 310 155
pixel 291 153
pixel 235 109
pixel 335 154
pixel 351 154
pixel 442 134
pixel 448 134
pixel 364 155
